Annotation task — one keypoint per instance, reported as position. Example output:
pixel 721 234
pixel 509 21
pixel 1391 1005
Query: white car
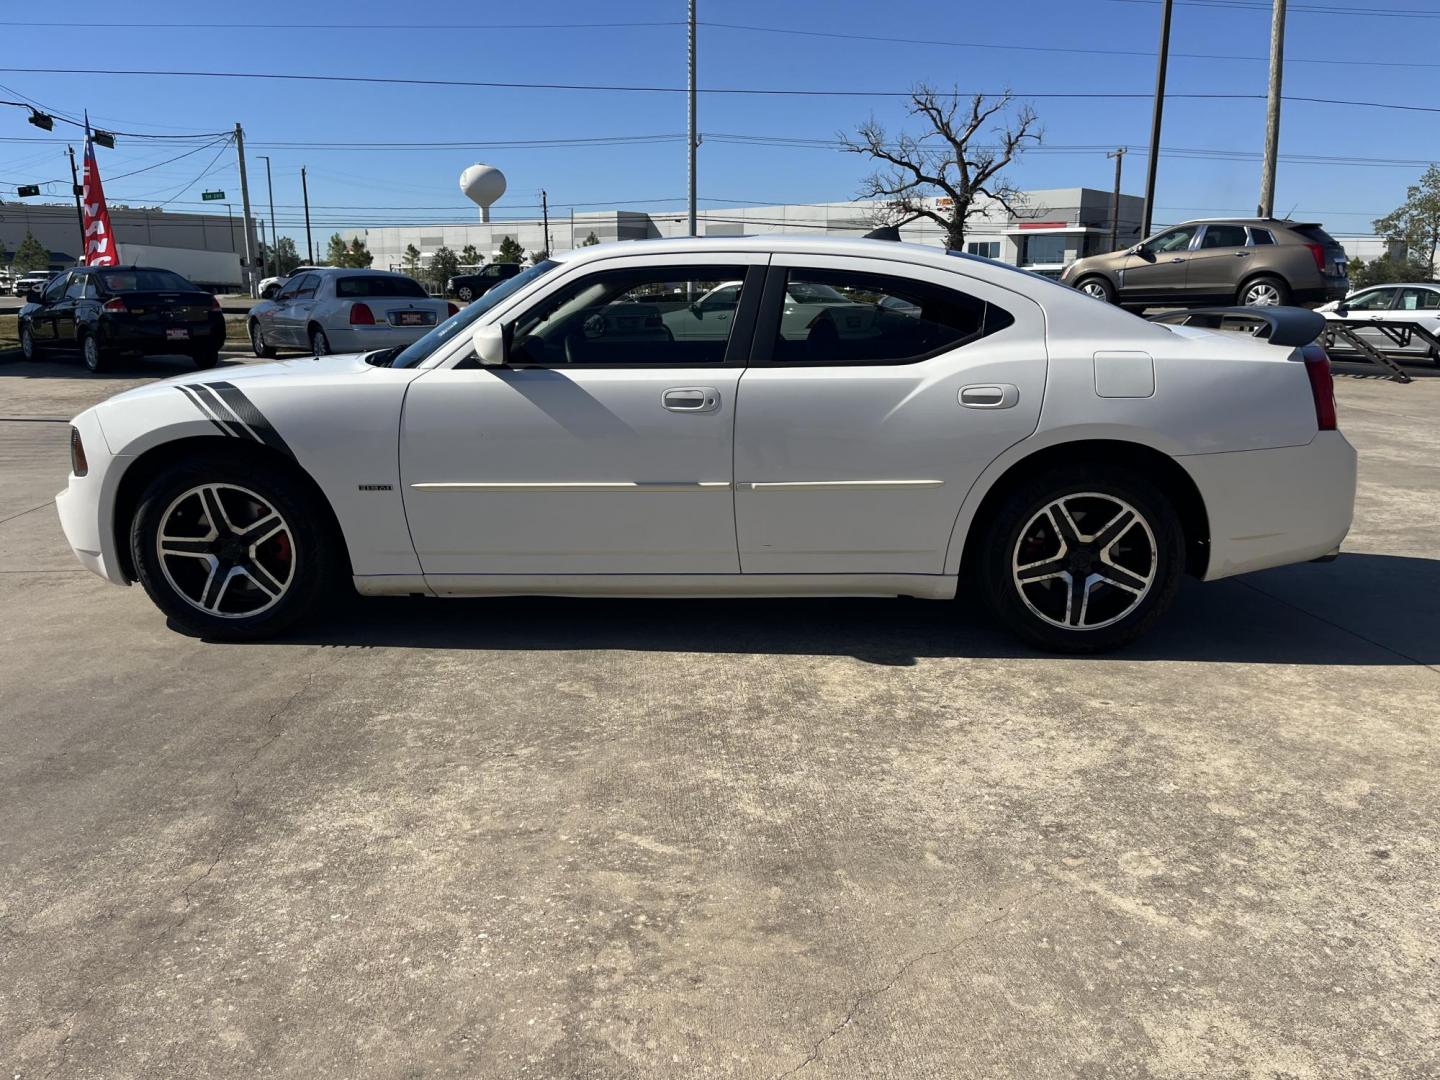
pixel 269 286
pixel 1393 306
pixel 1069 460
pixel 332 310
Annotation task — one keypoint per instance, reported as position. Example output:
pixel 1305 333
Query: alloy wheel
pixel 257 339
pixel 318 345
pixel 1095 289
pixel 1262 294
pixel 226 551
pixel 27 343
pixel 465 294
pixel 91 352
pixel 1085 561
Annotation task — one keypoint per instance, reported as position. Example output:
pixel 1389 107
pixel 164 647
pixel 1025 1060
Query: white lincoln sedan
pixel 325 310
pixel 979 430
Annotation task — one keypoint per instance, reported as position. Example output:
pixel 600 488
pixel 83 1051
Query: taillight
pixel 116 305
pixel 78 465
pixel 1322 386
pixel 1318 251
pixel 361 315
pixel 454 308
pixel 214 303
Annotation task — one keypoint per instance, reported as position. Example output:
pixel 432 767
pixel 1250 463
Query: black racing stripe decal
pixel 251 416
pixel 226 428
pixel 213 401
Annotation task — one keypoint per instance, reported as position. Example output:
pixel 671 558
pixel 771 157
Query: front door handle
pixel 1242 254
pixel 691 399
pixel 989 396
pixel 1177 260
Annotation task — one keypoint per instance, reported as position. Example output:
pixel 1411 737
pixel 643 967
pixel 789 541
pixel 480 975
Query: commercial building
pixel 206 248
pixel 1050 228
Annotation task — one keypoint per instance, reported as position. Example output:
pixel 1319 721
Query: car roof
pixel 1401 285
pixel 1268 222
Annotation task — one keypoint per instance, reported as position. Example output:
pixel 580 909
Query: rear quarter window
pixel 1314 234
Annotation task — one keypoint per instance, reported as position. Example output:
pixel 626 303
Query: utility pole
pixel 693 138
pixel 249 224
pixel 1154 162
pixel 79 213
pixel 1119 156
pixel 545 216
pixel 305 193
pixel 274 233
pixel 230 216
pixel 1272 110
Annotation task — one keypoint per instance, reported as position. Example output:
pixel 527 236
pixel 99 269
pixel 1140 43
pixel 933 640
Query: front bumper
pixel 1274 507
pixel 86 506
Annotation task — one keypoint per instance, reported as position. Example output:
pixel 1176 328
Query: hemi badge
pixel 376 487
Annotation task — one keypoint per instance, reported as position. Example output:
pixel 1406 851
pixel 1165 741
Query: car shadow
pixel 71 367
pixel 1358 610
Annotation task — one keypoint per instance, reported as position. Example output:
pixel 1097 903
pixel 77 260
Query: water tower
pixel 482 185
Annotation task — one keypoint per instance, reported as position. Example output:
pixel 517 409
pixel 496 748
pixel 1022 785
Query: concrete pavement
pixel 720 838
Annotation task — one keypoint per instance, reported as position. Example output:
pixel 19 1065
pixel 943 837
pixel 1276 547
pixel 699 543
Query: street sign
pixel 212 196
pixel 28 189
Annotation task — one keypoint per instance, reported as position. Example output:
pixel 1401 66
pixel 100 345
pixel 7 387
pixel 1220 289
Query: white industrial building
pixel 1051 229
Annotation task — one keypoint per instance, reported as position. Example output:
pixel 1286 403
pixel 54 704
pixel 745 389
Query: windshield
pixel 416 352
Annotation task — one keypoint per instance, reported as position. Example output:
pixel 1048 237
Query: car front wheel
pixel 465 293
pixel 1082 560
pixel 28 348
pixel 229 551
pixel 1097 288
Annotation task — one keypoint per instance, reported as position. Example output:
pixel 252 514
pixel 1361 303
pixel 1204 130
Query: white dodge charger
pixel 968 425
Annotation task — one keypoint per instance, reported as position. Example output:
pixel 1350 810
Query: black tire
pixel 206 358
pixel 465 293
pixel 98 360
pixel 312 558
pixel 29 347
pixel 258 344
pixel 1090 491
pixel 1278 286
pixel 1098 287
pixel 319 343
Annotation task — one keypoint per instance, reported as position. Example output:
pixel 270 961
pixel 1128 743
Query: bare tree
pixel 946 161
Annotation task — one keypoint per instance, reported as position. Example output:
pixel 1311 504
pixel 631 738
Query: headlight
pixel 78 465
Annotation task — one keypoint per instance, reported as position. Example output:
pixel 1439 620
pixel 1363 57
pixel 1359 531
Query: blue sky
pixel 1377 57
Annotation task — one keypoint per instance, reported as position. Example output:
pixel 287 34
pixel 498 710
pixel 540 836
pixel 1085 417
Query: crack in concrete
pixel 237 786
pixel 867 996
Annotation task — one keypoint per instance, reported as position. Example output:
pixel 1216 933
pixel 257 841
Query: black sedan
pixel 471 286
pixel 106 311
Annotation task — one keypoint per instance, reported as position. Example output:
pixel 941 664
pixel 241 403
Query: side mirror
pixel 1342 309
pixel 33 296
pixel 490 345
pixel 696 309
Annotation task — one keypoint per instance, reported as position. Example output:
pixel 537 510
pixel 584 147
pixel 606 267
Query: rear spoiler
pixel 1290 326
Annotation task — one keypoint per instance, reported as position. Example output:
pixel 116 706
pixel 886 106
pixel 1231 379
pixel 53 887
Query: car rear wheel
pixel 1264 292
pixel 1098 288
pixel 230 552
pixel 96 358
pixel 206 358
pixel 465 293
pixel 1082 560
pixel 258 344
pixel 28 347
pixel 319 343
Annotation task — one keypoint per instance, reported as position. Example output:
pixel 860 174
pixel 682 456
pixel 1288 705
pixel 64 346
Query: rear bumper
pixel 1274 507
pixel 368 338
pixel 126 336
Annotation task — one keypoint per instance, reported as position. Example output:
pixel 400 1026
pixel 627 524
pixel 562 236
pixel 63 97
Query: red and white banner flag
pixel 99 240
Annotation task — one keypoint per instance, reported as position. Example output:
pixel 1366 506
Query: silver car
pixel 341 311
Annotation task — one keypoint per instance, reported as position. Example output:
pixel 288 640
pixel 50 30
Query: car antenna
pixel 884 232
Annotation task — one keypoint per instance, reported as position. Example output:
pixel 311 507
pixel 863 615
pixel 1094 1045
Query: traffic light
pixel 25 190
pixel 104 138
pixel 44 121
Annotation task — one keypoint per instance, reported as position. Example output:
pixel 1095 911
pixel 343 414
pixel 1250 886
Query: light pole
pixel 274 236
pixel 1154 162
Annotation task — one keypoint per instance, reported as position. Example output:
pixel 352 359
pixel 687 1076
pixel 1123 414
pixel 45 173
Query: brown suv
pixel 1254 261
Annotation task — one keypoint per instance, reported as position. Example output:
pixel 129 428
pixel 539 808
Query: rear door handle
pixel 1242 254
pixel 989 396
pixel 691 399
pixel 1177 260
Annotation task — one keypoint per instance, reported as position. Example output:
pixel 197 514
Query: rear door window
pixel 1218 236
pixel 306 286
pixel 850 317
pixel 1418 300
